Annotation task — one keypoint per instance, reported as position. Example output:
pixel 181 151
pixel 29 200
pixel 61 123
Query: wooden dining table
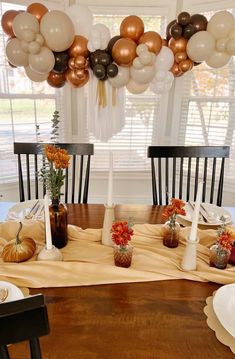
pixel 146 320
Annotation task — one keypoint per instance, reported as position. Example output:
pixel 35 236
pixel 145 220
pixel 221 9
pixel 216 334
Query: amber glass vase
pixel 171 233
pixel 122 255
pixel 58 219
pixel 219 256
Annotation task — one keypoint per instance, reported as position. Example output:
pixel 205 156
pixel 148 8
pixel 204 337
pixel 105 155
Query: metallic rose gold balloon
pixel 56 80
pixel 132 27
pixel 80 73
pixel 79 47
pixel 71 63
pixel 186 65
pixel 180 56
pixel 37 10
pixel 178 45
pixel 153 40
pixel 79 62
pixel 124 52
pixel 74 80
pixel 7 20
pixel 176 70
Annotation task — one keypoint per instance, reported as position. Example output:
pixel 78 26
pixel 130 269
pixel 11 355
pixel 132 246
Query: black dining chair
pixel 23 320
pixel 177 170
pixel 30 159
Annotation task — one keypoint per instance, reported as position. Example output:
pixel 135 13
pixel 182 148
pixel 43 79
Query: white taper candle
pixel 47 223
pixel 110 180
pixel 193 233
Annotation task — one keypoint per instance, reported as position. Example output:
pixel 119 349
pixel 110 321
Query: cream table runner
pixel 88 262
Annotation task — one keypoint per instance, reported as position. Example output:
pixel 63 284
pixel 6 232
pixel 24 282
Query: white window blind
pixel 207 114
pixel 24 105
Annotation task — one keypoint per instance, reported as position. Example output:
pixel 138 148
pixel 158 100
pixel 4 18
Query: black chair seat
pixel 176 170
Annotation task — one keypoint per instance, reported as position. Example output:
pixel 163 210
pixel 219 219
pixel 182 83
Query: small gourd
pixel 19 250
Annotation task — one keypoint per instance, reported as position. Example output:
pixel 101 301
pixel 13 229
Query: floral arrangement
pixel 121 233
pixel 225 238
pixel 171 211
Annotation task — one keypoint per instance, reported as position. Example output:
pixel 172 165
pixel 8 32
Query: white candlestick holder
pixel 109 217
pixel 52 254
pixel 189 261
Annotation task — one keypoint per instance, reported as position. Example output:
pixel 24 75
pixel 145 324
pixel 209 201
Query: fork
pixel 3 294
pixel 32 211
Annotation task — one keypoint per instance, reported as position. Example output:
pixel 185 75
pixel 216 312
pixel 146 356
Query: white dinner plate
pixel 224 307
pixel 14 293
pixel 21 209
pixel 214 212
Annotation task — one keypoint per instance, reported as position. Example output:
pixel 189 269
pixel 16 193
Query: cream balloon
pixel 221 44
pixel 136 88
pixel 144 75
pixel 145 57
pixel 220 24
pixel 165 59
pixel 141 48
pixel 218 59
pixel 28 35
pixel 137 64
pixel 230 47
pixel 34 47
pixel 43 62
pixel 35 76
pixel 231 34
pixel 24 21
pixel 15 54
pixel 39 38
pixel 82 19
pixel 200 46
pixel 24 45
pixel 122 77
pixel 57 29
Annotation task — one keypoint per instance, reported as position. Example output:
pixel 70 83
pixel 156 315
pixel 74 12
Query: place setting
pixel 27 210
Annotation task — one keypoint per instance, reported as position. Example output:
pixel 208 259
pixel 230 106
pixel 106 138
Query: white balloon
pixel 99 36
pixel 153 58
pixel 218 59
pixel 136 88
pixel 220 24
pixel 145 57
pixel 141 48
pixel 42 62
pixel 144 75
pixel 90 46
pixel 15 54
pixel 200 46
pixel 137 64
pixel 165 59
pixel 82 19
pixel 160 75
pixel 122 77
pixel 24 21
pixel 169 78
pixel 35 76
pixel 158 87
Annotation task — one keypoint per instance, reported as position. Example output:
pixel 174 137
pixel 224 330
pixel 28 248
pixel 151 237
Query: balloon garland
pixel 65 47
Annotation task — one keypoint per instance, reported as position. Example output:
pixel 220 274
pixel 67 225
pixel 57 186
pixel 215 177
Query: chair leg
pixel 35 350
pixel 4 352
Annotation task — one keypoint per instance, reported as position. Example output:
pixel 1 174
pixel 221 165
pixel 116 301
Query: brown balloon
pixel 168 35
pixel 176 70
pixel 37 10
pixel 74 80
pixel 153 40
pixel 178 45
pixel 56 80
pixel 199 22
pixel 124 52
pixel 132 27
pixel 79 47
pixel 180 56
pixel 186 65
pixel 7 21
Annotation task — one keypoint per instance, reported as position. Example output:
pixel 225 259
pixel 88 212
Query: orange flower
pixel 226 239
pixel 175 207
pixel 121 233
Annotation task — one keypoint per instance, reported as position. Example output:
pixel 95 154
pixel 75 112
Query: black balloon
pixel 112 42
pixel 61 62
pixel 199 22
pixel 168 35
pixel 104 59
pixel 176 31
pixel 112 70
pixel 184 18
pixel 99 71
pixel 188 31
pixel 94 57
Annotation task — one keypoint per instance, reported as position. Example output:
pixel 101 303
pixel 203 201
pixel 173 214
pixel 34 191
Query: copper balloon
pixel 79 47
pixel 37 10
pixel 186 65
pixel 178 45
pixel 7 20
pixel 80 73
pixel 180 56
pixel 124 52
pixel 132 27
pixel 74 80
pixel 71 63
pixel 176 70
pixel 79 62
pixel 56 80
pixel 164 42
pixel 153 40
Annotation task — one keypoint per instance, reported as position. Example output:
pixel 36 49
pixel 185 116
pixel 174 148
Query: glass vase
pixel 59 221
pixel 232 255
pixel 122 255
pixel 170 233
pixel 219 256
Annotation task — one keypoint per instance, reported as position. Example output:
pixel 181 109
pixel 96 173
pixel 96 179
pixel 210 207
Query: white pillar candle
pixel 47 223
pixel 110 181
pixel 193 233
